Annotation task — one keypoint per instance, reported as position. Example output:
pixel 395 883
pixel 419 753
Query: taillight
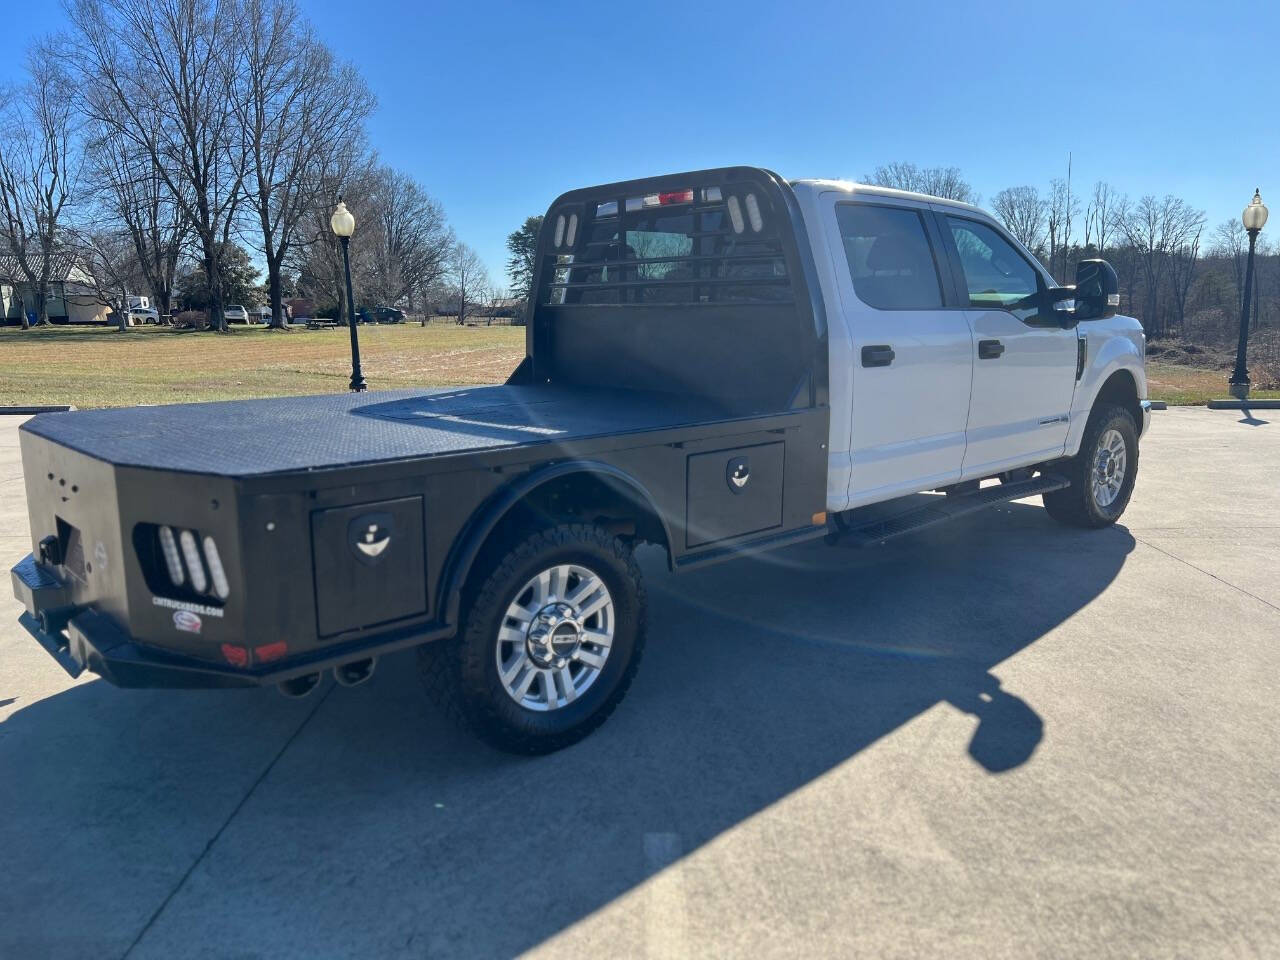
pixel 181 563
pixel 192 556
pixel 221 588
pixel 171 558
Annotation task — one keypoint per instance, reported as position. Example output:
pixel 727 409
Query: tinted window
pixel 995 273
pixel 889 256
pixel 679 253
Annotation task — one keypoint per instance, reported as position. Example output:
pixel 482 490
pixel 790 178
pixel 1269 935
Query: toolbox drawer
pixel 369 562
pixel 733 492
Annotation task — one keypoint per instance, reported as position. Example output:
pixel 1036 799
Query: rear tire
pixel 1102 474
pixel 536 696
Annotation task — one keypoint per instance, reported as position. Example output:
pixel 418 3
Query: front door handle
pixel 990 349
pixel 880 355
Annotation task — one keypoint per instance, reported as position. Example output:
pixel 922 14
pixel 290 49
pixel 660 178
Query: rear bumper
pixel 81 638
pixel 1145 425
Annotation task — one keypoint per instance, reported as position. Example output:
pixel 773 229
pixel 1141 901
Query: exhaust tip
pixel 355 672
pixel 299 687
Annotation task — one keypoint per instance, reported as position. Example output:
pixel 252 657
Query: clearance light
pixel 572 233
pixel 192 556
pixel 711 195
pixel 270 651
pixel 753 213
pixel 672 197
pixel 236 656
pixel 221 588
pixel 609 209
pixel 735 215
pixel 665 198
pixel 171 559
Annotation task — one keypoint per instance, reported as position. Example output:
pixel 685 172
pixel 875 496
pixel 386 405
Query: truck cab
pixel 951 360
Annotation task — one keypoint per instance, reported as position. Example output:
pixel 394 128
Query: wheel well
pixel 614 503
pixel 1121 389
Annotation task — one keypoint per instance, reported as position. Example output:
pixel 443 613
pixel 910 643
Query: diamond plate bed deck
pixel 257 437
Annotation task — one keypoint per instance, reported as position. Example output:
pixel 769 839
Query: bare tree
pixel 157 74
pixel 128 190
pixel 110 263
pixel 1062 207
pixel 39 167
pixel 1183 256
pixel 945 182
pixel 468 278
pixel 1099 215
pixel 414 243
pixel 304 116
pixel 1022 210
pixel 1154 228
pixel 1231 242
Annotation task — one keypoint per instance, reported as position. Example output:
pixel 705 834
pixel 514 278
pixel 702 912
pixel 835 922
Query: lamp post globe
pixel 1254 217
pixel 343 224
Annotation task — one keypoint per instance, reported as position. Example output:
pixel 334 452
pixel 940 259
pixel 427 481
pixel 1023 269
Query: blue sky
pixel 499 107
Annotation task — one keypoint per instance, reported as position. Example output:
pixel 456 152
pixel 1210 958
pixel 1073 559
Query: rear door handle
pixel 990 349
pixel 880 355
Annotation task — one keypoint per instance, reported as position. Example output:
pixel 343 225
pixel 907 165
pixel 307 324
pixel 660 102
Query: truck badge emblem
pixel 369 535
pixel 738 473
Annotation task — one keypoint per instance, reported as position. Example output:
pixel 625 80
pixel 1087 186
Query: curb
pixel 1243 404
pixel 31 411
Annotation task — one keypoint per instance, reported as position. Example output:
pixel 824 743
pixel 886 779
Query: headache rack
pixel 709 245
pixel 698 284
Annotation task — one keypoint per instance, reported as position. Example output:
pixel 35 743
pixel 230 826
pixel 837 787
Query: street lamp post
pixel 343 224
pixel 1253 218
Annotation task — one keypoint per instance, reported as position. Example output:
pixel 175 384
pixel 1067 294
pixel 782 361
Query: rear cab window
pixel 891 260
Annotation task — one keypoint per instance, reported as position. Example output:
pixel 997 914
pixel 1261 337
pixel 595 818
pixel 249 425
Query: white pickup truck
pixel 717 362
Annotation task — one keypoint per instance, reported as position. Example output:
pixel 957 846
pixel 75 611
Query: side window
pixel 890 259
pixel 996 274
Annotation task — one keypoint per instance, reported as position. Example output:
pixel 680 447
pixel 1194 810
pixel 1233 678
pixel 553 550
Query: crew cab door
pixel 911 357
pixel 1024 367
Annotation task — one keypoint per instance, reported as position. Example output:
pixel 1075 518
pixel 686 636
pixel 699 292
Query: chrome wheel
pixel 555 637
pixel 1109 468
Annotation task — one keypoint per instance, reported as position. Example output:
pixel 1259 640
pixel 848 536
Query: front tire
pixel 550 639
pixel 1102 474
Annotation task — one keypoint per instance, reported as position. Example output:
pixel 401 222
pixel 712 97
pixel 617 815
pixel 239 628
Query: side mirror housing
pixel 1097 290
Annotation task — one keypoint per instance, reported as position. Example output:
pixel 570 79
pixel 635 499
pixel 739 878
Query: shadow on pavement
pixel 380 831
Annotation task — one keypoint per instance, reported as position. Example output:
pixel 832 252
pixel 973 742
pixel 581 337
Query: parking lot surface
pixel 994 738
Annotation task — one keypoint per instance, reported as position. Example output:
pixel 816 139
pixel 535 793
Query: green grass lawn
pixel 1192 386
pixel 101 367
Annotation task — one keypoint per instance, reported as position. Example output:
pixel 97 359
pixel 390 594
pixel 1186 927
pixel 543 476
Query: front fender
pixel 1109 352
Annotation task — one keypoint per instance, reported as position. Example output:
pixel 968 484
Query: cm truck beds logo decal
pixel 198 608
pixel 369 535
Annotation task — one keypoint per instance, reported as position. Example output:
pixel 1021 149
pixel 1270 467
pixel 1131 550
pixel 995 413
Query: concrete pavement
pixel 995 738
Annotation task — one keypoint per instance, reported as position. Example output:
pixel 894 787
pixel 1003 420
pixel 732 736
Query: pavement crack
pixel 225 823
pixel 1174 556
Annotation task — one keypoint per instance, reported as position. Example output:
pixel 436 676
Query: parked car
pixel 236 313
pixel 800 350
pixel 388 315
pixel 139 316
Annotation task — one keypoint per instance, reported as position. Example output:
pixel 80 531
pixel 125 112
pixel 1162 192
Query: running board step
pixel 947 508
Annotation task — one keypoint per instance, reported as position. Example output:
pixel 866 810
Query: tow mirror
pixel 1097 290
